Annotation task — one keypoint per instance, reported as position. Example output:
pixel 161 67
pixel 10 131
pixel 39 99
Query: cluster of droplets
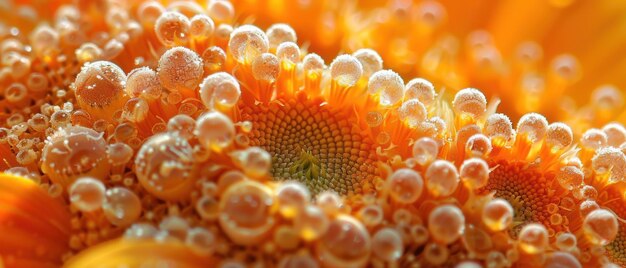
pixel 147 141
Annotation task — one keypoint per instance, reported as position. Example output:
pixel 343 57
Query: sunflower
pixel 181 134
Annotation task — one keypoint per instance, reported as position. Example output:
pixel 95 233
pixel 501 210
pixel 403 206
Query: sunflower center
pixel 314 144
pixel 529 193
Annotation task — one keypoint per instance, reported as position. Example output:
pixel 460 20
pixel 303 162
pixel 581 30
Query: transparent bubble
pixel 288 51
pixel 570 177
pixel 442 178
pixel 311 223
pixel 280 33
pixel 615 134
pixel 561 259
pixel 286 238
pixel 566 67
pixel 247 42
pixel 471 101
pixel 74 151
pixel 183 124
pixel 559 135
pixel 164 166
pixel 600 227
pixel 180 68
pixel 292 196
pixel 135 110
pixel 143 82
pixel 371 215
pixel 246 212
pixel 593 138
pixel 172 28
pixel 425 150
pixel 266 67
pixel 99 84
pixel 254 161
pixel 420 89
pixel 313 62
pixel 346 70
pixel 121 207
pixel 87 194
pixel 405 185
pixel 475 172
pixel 389 85
pixel 329 202
pixel 370 60
pixel 446 223
pixel 387 244
pixel 346 243
pixel 610 162
pixel 478 145
pixel 221 10
pixel 219 88
pixel 412 112
pixel 533 238
pixel 607 97
pixel 119 153
pixel 213 59
pixel 201 26
pixel 141 231
pixel 498 126
pixel 566 241
pixel 497 215
pixel 214 130
pixel 175 227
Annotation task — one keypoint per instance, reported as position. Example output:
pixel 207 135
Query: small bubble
pixel 180 68
pixel 389 85
pixel 405 185
pixel 425 150
pixel 615 134
pixel 533 238
pixel 559 135
pixel 87 194
pixel 219 88
pixel 387 244
pixel 313 62
pixel 370 60
pixel 288 51
pixel 470 101
pixel 475 172
pixel 246 209
pixel 164 166
pixel 446 223
pixel 420 89
pixel 600 227
pixel 412 112
pixel 172 28
pixel 214 130
pixel 201 26
pixel 570 177
pixel 594 139
pixel 497 214
pixel 442 178
pixel 266 67
pixel 346 70
pixel 280 33
pixel 247 42
pixel 121 207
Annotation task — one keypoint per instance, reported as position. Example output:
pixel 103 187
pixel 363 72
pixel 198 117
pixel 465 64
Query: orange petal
pixel 35 227
pixel 139 253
